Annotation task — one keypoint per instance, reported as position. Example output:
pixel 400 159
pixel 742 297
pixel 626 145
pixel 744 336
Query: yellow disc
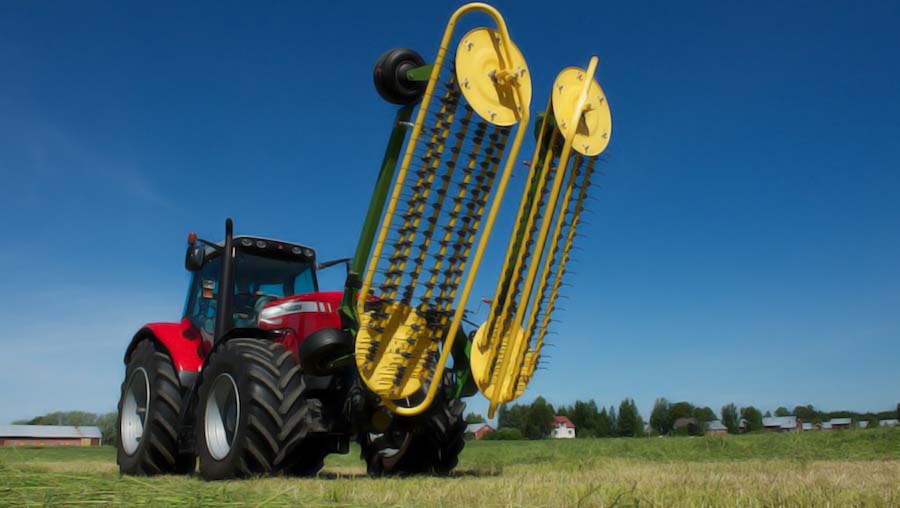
pixel 491 93
pixel 478 361
pixel 594 126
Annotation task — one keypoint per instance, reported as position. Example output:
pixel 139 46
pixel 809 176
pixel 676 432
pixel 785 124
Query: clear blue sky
pixel 744 246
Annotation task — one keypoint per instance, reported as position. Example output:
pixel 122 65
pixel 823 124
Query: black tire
pixel 302 453
pixel 426 444
pixel 390 76
pixel 252 367
pixel 157 450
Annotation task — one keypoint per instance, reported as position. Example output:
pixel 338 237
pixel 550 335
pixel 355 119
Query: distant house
pixel 743 425
pixel 687 424
pixel 782 424
pixel 478 430
pixel 716 427
pixel 808 426
pixel 823 426
pixel 841 423
pixel 563 428
pixel 889 422
pixel 862 424
pixel 49 435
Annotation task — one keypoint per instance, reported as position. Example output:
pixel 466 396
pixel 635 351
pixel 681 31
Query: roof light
pixel 192 237
pixel 261 244
pixel 246 242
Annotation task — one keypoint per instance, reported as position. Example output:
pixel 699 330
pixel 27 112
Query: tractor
pixel 265 373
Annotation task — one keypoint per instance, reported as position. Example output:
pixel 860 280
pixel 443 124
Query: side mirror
pixel 194 258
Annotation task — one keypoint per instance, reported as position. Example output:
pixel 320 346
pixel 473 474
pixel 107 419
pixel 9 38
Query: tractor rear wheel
pixel 426 444
pixel 238 421
pixel 149 409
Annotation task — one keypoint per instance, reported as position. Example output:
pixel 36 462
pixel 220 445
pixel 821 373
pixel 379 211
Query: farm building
pixel 890 422
pixel 563 428
pixel 49 435
pixel 808 426
pixel 478 430
pixel 841 423
pixel 716 427
pixel 782 424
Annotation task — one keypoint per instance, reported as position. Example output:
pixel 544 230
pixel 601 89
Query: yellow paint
pixel 503 357
pixel 593 127
pixel 382 342
pixel 487 81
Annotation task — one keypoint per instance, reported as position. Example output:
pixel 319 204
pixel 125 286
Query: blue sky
pixel 743 246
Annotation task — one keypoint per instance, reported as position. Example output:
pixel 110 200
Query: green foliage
pixel 474 418
pixel 629 423
pixel 507 434
pixel 782 411
pixel 538 419
pixel 534 421
pixel 681 410
pixel 704 414
pixel 753 417
pixel 660 421
pixel 730 418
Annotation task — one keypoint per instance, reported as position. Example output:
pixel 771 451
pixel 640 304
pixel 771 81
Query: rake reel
pixel 575 129
pixel 464 142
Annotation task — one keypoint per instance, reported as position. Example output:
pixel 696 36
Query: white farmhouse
pixel 563 428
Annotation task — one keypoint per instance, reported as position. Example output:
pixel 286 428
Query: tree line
pixel 535 420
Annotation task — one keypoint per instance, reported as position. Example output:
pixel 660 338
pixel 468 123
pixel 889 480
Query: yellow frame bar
pixel 519 339
pixel 524 115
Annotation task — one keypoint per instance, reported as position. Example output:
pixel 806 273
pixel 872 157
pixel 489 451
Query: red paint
pixel 184 344
pixel 182 341
pixel 302 324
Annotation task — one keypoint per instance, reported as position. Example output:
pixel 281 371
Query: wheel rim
pixel 134 411
pixel 390 446
pixel 223 411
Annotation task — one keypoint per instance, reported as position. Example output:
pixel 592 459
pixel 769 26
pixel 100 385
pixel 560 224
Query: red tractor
pixel 265 373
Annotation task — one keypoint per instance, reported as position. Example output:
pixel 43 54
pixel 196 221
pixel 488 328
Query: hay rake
pixel 459 158
pixel 575 129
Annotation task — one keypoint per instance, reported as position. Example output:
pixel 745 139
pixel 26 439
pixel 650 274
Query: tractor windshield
pixel 257 281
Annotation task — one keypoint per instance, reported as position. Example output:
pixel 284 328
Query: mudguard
pixel 182 342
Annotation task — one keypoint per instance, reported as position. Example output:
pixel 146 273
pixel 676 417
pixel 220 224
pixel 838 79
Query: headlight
pixel 272 315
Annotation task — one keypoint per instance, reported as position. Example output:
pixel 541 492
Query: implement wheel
pixel 148 416
pixel 390 76
pixel 238 422
pixel 426 444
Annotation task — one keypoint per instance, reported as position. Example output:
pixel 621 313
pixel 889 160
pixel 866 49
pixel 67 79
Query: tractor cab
pixel 266 276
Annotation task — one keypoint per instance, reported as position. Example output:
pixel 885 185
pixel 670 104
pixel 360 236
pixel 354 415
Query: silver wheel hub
pixel 134 411
pixel 223 411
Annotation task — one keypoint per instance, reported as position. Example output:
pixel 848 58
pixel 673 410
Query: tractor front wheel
pixel 426 444
pixel 238 419
pixel 149 408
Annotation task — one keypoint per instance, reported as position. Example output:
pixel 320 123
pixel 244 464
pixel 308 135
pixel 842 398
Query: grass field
pixel 834 469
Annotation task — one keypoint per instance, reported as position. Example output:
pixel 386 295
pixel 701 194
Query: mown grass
pixel 850 468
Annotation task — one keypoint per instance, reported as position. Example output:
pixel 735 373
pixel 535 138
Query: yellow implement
pixel 575 130
pixel 450 169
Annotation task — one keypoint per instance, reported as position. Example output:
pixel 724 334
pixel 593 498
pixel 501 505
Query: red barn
pixel 49 435
pixel 478 430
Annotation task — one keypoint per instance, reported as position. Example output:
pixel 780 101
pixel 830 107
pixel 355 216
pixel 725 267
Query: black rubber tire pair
pixel 431 442
pixel 258 369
